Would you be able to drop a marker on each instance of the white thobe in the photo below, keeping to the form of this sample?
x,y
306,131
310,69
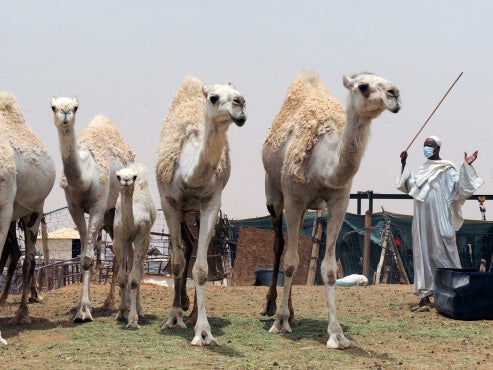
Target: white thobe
x,y
439,191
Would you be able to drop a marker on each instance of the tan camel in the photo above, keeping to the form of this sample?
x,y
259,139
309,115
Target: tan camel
x,y
90,162
192,170
310,157
34,176
134,216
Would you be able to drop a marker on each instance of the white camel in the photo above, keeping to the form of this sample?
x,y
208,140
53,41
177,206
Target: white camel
x,y
193,167
134,216
310,156
7,191
90,162
34,176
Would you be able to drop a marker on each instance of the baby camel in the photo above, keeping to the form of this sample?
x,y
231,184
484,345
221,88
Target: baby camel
x,y
134,216
192,170
310,156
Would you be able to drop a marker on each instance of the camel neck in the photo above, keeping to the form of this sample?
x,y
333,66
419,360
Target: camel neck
x,y
351,148
213,142
72,167
126,200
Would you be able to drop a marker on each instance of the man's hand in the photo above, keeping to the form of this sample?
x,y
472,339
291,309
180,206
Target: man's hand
x,y
471,158
404,158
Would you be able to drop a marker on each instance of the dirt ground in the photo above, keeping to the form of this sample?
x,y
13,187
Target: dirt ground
x,y
377,318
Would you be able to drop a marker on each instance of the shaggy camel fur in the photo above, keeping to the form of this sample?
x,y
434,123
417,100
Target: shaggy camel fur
x,y
192,170
90,162
310,157
34,176
134,216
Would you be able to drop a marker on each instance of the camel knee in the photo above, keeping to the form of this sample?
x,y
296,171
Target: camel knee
x,y
331,277
289,271
200,276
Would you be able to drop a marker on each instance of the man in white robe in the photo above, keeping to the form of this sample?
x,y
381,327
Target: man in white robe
x,y
439,191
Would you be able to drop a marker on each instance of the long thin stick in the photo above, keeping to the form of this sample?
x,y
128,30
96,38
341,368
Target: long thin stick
x,y
434,110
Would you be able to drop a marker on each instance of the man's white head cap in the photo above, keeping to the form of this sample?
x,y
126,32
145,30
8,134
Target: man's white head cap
x,y
436,140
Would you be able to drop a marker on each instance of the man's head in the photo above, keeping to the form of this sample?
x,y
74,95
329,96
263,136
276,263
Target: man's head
x,y
431,147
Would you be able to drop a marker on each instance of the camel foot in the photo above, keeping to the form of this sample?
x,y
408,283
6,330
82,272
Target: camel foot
x,y
133,325
37,299
3,342
280,326
174,323
269,309
108,305
122,315
339,341
21,318
83,314
192,320
205,338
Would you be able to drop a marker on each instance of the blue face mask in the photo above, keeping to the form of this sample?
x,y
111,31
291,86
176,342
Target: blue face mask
x,y
428,151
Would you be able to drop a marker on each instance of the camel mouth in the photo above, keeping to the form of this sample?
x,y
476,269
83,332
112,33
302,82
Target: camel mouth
x,y
395,109
239,121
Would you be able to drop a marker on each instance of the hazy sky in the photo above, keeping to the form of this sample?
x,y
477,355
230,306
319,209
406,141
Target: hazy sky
x,y
125,59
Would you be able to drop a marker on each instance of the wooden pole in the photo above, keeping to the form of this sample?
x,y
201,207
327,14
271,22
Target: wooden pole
x,y
316,235
398,261
434,110
366,244
382,254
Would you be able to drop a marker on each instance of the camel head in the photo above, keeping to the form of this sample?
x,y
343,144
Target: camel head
x,y
126,176
224,104
370,95
64,111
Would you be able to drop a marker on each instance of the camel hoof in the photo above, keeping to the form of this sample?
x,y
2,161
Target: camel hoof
x,y
339,341
269,309
280,327
204,339
35,299
174,323
122,315
132,326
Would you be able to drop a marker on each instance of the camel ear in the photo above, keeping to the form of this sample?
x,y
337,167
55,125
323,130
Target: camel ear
x,y
348,83
76,101
230,84
52,102
205,90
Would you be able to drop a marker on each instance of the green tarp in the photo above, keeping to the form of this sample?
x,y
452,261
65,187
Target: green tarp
x,y
474,241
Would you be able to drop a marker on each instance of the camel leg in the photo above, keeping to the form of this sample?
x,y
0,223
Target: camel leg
x,y
140,247
109,218
31,225
12,254
337,210
188,242
173,220
208,218
121,258
86,259
275,212
294,214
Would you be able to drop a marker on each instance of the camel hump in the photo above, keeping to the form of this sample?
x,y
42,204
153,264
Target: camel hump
x,y
8,101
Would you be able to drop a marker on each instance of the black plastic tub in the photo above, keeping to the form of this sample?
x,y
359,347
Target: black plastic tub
x,y
263,277
464,294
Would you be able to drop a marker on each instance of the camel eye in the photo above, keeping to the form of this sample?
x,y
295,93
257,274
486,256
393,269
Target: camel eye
x,y
363,88
213,98
75,109
134,178
53,108
118,177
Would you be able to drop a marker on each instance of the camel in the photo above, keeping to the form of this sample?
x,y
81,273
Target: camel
x,y
134,216
310,156
34,176
90,162
192,169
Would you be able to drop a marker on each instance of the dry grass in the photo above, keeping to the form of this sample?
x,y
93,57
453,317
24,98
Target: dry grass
x,y
377,318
